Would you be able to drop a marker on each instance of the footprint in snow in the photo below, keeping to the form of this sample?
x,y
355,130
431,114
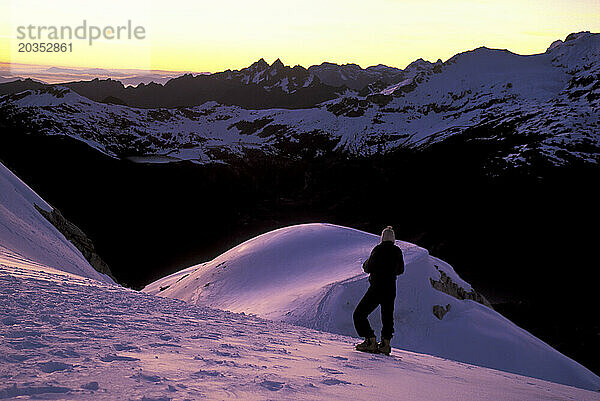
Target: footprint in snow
x,y
271,385
330,371
14,391
115,357
206,373
49,367
126,347
332,382
166,337
167,345
226,354
26,344
14,358
147,378
91,386
9,321
206,336
144,398
67,353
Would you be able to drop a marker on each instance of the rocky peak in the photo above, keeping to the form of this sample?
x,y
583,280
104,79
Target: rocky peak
x,y
277,64
259,65
576,35
378,67
554,44
572,37
276,68
418,65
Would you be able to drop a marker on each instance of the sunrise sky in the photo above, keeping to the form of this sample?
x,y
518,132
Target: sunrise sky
x,y
216,35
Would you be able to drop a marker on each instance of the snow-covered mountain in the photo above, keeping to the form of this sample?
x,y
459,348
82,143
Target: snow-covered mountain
x,y
274,76
70,333
311,275
356,78
28,238
542,107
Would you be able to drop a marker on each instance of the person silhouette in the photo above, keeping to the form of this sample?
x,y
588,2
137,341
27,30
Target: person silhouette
x,y
384,265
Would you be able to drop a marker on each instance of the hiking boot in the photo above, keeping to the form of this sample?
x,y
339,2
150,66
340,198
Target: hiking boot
x,y
384,346
369,345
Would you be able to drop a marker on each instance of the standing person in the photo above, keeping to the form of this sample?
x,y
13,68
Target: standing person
x,y
384,265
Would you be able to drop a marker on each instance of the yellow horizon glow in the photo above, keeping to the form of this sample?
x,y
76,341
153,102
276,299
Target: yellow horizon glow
x,y
231,34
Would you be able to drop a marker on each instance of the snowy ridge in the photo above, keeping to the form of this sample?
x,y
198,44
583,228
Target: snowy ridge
x,y
311,275
356,78
70,337
27,238
272,77
535,107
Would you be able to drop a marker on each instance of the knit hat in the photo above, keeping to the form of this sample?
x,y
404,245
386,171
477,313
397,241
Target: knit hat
x,y
388,234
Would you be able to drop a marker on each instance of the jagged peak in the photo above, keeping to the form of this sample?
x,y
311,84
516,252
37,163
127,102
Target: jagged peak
x,y
419,64
380,67
571,39
333,66
576,35
554,44
259,65
277,63
326,64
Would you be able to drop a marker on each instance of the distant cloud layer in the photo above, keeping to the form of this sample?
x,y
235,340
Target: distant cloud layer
x,y
49,74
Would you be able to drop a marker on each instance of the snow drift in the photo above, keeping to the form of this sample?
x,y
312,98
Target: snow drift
x,y
311,275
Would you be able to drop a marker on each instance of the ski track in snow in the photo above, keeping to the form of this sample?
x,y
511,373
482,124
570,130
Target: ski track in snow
x,y
68,337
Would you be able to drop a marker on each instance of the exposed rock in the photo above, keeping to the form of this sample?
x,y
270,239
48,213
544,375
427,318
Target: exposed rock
x,y
576,35
439,311
251,127
113,100
77,238
349,107
446,285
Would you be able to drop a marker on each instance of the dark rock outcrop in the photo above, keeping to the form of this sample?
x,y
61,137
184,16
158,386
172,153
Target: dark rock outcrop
x,y
446,285
440,311
78,238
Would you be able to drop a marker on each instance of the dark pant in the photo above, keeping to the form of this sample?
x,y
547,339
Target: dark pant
x,y
375,296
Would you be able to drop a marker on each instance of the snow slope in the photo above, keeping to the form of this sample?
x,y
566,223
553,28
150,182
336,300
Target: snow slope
x,y
26,237
311,275
68,337
66,333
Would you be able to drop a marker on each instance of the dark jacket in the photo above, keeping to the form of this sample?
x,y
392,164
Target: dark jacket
x,y
385,263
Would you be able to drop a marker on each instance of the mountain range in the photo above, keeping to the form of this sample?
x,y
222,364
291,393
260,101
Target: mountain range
x,y
536,109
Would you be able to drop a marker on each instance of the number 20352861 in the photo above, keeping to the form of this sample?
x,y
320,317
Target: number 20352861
x,y
45,47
